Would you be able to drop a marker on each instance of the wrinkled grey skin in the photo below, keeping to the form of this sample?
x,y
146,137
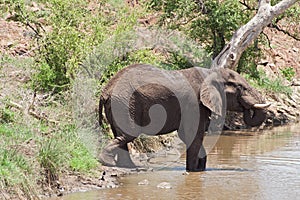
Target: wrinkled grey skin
x,y
240,97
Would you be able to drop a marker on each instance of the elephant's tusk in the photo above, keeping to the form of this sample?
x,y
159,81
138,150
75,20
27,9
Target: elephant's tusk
x,y
261,106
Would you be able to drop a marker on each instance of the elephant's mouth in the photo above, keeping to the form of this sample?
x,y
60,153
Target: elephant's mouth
x,y
256,115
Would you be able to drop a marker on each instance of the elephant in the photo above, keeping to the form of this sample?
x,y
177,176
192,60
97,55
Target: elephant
x,y
142,98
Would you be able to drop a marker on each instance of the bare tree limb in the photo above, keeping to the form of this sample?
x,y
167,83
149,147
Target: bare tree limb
x,y
282,6
246,5
31,112
245,35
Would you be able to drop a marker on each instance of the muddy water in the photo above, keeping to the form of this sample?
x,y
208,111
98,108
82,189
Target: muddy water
x,y
263,165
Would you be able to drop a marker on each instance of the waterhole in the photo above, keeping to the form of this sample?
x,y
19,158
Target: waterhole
x,y
242,165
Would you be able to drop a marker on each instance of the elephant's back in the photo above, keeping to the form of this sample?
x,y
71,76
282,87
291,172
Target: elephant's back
x,y
125,74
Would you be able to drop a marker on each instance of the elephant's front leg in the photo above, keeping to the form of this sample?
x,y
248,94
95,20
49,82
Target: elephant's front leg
x,y
196,156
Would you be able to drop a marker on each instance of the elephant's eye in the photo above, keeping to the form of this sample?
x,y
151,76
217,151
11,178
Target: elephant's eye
x,y
241,88
230,84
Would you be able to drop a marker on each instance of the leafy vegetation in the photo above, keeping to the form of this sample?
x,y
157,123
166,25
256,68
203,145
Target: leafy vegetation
x,y
24,153
288,73
273,85
15,171
213,23
210,22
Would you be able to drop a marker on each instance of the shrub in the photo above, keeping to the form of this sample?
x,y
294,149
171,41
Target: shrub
x,y
274,85
212,22
6,115
76,30
288,73
52,157
82,160
13,168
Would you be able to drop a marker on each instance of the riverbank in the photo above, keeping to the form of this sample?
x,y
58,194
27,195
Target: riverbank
x,y
247,163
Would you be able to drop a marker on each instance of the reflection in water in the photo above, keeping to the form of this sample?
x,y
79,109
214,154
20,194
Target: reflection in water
x,y
263,166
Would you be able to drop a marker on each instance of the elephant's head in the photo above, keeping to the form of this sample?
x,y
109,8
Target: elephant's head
x,y
240,97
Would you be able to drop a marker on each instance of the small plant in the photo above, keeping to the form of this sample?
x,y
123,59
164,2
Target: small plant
x,y
6,130
288,72
271,85
14,172
176,61
81,159
6,115
52,156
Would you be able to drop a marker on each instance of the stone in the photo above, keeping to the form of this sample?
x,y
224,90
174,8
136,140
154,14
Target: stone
x,y
164,185
185,173
143,182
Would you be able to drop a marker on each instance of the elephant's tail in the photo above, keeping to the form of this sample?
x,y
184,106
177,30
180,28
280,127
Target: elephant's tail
x,y
101,104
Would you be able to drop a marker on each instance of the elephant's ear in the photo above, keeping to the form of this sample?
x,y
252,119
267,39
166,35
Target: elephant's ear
x,y
212,94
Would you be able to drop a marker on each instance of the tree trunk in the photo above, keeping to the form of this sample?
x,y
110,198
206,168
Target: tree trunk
x,y
244,36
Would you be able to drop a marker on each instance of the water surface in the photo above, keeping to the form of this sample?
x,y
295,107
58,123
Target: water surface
x,y
262,165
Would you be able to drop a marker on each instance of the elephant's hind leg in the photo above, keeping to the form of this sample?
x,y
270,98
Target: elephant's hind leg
x,y
108,154
116,154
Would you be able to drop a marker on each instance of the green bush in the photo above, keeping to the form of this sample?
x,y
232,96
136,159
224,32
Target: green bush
x,y
76,31
13,168
62,48
6,115
274,85
288,72
81,159
52,156
211,22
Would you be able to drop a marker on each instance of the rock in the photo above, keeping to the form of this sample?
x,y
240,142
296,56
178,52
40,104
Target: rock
x,y
164,185
185,173
295,83
110,184
143,182
295,49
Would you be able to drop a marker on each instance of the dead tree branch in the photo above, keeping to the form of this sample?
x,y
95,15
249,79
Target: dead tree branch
x,y
31,112
244,36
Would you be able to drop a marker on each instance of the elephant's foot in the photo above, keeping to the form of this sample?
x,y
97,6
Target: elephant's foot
x,y
126,164
199,166
196,169
124,159
107,159
202,164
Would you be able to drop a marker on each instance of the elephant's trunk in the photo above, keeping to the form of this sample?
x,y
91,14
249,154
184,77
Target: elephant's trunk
x,y
258,117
